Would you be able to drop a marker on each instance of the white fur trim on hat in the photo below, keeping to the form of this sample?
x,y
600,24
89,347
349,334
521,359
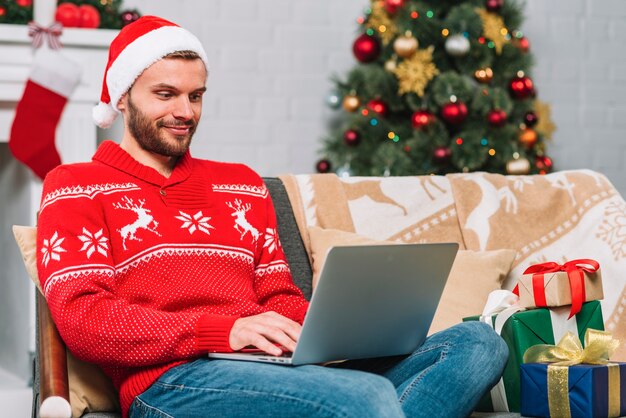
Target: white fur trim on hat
x,y
103,115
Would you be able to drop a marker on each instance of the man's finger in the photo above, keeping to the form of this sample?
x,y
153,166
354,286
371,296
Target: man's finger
x,y
264,344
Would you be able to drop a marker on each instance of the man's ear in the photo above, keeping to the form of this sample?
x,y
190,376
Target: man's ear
x,y
121,104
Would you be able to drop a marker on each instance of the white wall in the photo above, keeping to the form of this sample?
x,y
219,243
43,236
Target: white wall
x,y
272,61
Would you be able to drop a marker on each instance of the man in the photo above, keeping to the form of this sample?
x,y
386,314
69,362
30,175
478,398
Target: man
x,y
150,259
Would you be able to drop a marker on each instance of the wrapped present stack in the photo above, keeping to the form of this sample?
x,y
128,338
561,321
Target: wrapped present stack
x,y
550,301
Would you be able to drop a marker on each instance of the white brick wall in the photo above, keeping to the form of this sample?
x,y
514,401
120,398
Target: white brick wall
x,y
271,63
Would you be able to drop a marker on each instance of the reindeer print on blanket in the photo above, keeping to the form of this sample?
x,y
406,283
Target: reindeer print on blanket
x,y
143,221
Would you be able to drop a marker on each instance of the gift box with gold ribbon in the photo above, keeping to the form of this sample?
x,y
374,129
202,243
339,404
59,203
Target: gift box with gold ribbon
x,y
551,284
524,329
567,381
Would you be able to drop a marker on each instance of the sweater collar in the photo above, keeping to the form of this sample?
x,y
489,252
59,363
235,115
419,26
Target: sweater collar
x,y
112,154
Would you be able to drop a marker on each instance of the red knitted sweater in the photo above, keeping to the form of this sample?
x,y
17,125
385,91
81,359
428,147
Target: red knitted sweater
x,y
143,273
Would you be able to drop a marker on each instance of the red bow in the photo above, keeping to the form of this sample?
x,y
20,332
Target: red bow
x,y
574,269
51,33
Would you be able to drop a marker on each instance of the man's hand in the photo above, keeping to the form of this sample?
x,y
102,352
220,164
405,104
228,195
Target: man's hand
x,y
264,331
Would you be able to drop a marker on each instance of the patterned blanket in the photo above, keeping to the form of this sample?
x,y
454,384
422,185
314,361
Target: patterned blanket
x,y
556,217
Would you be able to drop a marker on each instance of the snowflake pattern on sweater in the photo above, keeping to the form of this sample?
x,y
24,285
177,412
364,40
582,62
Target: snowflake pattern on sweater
x,y
143,272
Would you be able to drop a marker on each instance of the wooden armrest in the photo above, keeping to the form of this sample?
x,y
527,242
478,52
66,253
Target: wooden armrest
x,y
53,383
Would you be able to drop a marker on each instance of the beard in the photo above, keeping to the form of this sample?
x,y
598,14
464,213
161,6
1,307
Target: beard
x,y
150,138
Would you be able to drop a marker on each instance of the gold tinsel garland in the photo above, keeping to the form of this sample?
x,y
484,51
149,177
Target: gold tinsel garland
x,y
493,28
544,126
379,19
414,73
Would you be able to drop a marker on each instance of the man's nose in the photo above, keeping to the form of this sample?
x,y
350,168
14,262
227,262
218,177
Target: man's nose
x,y
183,109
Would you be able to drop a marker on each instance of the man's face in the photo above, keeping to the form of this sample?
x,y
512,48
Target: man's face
x,y
164,105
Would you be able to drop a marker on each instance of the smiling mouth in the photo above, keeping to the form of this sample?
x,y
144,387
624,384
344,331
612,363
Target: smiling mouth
x,y
178,130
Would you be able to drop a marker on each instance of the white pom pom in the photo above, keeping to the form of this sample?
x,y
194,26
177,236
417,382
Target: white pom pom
x,y
55,407
103,115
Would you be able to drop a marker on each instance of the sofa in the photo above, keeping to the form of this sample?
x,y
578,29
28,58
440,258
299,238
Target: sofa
x,y
303,213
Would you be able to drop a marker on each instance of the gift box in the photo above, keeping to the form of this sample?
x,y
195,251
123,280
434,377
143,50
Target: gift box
x,y
528,328
552,285
592,391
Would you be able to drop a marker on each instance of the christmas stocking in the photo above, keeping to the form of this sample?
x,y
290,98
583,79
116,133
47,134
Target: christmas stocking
x,y
52,80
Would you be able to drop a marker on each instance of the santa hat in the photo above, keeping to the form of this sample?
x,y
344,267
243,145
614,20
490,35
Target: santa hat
x,y
135,48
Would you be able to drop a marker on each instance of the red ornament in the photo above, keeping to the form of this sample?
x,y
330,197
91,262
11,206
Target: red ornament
x,y
494,5
454,113
543,163
521,87
68,15
530,119
366,48
89,16
351,137
522,43
392,6
129,16
24,3
3,11
442,154
422,118
496,117
323,166
378,106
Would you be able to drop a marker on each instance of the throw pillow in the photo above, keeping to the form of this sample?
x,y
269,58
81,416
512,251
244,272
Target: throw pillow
x,y
90,389
473,276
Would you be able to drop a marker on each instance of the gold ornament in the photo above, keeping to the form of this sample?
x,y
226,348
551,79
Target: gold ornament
x,y
484,75
380,21
518,166
351,103
405,45
528,137
493,28
414,73
391,65
544,126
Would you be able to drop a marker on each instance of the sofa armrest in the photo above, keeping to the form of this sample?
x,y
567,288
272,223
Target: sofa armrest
x,y
53,381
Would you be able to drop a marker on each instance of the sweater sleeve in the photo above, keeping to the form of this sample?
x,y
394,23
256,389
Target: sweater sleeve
x,y
78,277
273,281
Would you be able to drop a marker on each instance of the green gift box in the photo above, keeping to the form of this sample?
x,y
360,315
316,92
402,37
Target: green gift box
x,y
527,328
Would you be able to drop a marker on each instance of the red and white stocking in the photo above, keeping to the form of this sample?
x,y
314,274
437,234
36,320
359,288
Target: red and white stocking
x,y
52,80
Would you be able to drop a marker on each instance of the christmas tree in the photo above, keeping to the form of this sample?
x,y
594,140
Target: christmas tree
x,y
441,86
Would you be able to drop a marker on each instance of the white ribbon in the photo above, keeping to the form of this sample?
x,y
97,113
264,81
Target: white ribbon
x,y
560,324
504,304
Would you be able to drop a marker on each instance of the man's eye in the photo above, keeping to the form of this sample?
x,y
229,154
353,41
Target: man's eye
x,y
164,94
195,97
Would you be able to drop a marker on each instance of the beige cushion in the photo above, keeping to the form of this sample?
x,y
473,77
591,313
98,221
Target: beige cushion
x,y
90,389
473,276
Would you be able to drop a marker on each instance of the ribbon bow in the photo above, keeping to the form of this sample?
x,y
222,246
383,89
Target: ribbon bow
x,y
51,33
574,270
599,346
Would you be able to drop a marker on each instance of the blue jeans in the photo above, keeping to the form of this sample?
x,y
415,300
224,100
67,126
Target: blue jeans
x,y
445,377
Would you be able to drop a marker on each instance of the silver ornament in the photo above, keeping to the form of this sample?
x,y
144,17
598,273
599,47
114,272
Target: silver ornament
x,y
457,45
333,100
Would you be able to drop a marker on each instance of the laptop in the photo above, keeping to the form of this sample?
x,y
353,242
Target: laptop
x,y
370,301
